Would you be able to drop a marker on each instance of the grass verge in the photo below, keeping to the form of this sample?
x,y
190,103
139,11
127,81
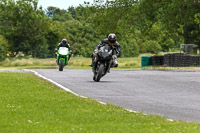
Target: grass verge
x,y
30,104
75,62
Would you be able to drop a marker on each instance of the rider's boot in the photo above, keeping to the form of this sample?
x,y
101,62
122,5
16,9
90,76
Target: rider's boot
x,y
93,60
92,64
115,63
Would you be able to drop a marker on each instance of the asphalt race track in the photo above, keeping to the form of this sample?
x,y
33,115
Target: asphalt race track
x,y
174,95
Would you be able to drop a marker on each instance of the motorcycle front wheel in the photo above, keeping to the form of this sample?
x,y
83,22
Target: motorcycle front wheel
x,y
61,65
99,72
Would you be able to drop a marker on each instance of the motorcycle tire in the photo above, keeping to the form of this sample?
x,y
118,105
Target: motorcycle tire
x,y
99,73
61,65
94,77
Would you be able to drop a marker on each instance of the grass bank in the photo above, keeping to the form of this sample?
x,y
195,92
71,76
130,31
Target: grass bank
x,y
30,104
75,62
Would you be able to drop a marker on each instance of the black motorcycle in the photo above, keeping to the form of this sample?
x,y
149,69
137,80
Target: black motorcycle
x,y
103,62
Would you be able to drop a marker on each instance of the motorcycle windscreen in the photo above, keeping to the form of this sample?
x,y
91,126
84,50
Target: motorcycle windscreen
x,y
63,51
106,56
105,53
106,48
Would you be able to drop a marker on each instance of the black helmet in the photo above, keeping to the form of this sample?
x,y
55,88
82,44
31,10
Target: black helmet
x,y
64,41
112,38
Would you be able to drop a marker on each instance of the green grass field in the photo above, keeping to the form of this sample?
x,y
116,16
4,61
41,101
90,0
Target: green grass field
x,y
75,62
30,104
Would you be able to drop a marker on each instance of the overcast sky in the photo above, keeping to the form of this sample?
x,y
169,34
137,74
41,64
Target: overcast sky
x,y
62,4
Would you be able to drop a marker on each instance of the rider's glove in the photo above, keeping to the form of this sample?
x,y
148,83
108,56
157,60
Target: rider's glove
x,y
114,57
95,52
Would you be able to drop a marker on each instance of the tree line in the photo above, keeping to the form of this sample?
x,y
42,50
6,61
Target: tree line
x,y
140,25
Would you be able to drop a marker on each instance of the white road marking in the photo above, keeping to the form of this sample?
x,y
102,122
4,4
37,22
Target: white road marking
x,y
170,120
68,90
55,83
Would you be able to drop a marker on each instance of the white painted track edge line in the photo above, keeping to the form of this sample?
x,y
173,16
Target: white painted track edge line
x,y
55,83
68,90
59,85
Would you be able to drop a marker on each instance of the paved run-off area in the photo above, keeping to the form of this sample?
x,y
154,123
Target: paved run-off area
x,y
175,95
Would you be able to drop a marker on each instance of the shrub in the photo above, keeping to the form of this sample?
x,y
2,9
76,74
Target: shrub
x,y
3,48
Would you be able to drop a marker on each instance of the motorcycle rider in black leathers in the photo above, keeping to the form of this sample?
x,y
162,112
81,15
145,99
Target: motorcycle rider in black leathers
x,y
64,43
115,46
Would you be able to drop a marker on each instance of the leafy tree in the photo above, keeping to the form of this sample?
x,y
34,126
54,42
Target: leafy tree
x,y
3,48
56,33
175,15
141,25
24,26
57,14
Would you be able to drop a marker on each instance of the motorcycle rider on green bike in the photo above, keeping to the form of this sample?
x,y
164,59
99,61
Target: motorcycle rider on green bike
x,y
64,43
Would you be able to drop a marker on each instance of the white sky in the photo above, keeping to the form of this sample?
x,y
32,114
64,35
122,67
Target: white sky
x,y
62,4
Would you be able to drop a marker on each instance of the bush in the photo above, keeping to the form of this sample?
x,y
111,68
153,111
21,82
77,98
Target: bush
x,y
3,48
129,48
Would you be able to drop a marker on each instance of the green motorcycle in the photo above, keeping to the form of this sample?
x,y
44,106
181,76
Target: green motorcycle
x,y
62,57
